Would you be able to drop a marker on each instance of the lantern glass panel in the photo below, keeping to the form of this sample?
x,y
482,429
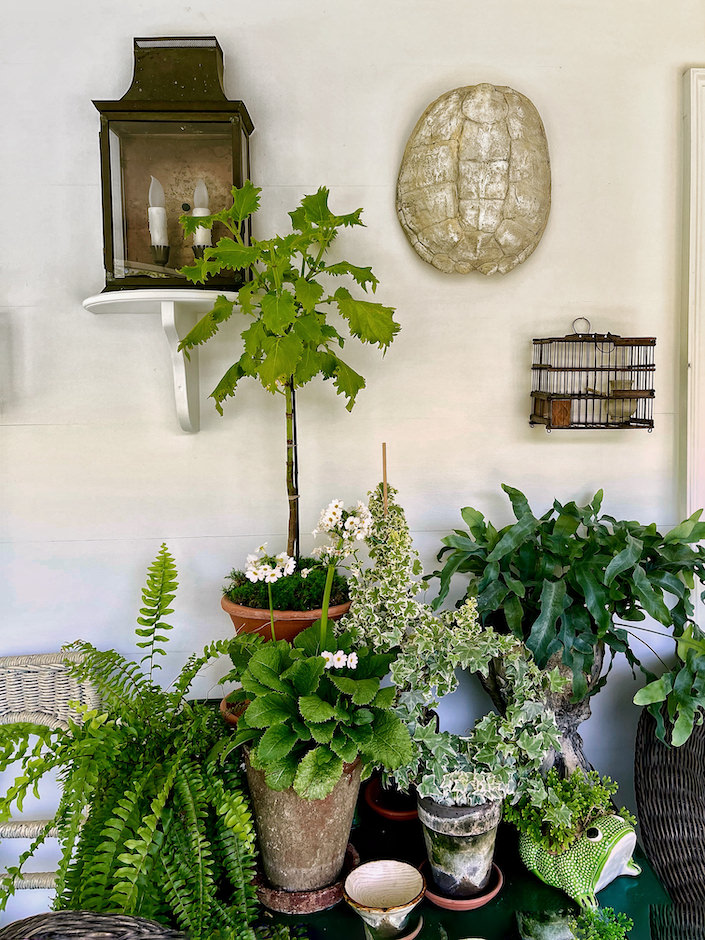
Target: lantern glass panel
x,y
178,154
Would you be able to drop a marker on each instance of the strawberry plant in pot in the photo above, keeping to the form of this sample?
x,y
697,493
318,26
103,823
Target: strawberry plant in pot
x,y
289,337
573,584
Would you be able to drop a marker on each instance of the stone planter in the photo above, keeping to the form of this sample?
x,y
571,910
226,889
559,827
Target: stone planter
x,y
303,842
460,844
287,623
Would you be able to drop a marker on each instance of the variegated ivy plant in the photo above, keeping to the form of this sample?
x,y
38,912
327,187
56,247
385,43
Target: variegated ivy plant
x,y
495,760
287,339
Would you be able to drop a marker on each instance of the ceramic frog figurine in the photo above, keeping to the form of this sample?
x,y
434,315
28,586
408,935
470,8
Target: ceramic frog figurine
x,y
597,857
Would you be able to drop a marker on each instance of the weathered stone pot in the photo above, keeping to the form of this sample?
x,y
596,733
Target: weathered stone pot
x,y
460,844
287,623
302,842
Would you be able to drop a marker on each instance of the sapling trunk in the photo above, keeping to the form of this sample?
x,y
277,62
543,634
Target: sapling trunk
x,y
326,602
292,542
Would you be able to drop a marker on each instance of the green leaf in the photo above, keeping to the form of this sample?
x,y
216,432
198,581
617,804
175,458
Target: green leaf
x,y
276,743
691,530
236,255
245,203
267,664
655,691
318,773
209,324
369,322
311,363
474,520
623,560
385,697
344,747
308,293
305,674
362,691
280,775
281,357
651,601
322,733
389,744
520,504
308,328
278,311
270,709
201,270
314,709
227,386
362,276
347,382
513,537
542,640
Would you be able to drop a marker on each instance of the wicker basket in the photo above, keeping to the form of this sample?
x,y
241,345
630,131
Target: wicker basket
x,y
670,796
62,925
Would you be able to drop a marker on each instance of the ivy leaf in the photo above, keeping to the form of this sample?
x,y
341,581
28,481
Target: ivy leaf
x,y
276,743
278,311
281,357
369,322
318,773
314,709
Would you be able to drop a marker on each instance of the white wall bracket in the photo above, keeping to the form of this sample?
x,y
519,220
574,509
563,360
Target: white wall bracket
x,y
179,309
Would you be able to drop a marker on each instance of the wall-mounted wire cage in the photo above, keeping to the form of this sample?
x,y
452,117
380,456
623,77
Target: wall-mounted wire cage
x,y
593,380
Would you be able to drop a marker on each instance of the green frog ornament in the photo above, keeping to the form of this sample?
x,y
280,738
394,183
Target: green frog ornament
x,y
602,853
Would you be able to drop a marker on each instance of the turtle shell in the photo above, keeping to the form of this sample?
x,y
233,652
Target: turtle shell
x,y
474,187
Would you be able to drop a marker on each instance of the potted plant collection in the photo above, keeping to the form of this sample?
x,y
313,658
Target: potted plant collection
x,y
572,584
151,820
287,337
314,719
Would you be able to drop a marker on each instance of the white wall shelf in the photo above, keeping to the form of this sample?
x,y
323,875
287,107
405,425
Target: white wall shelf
x,y
179,310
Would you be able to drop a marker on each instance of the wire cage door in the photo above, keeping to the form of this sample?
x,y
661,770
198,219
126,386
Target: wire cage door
x,y
593,380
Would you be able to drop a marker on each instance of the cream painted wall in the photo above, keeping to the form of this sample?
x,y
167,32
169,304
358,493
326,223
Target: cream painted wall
x,y
95,472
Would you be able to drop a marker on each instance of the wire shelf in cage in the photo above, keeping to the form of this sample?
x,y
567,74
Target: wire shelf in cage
x,y
593,380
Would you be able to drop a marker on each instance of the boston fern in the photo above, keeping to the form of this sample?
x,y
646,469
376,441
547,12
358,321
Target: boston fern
x,y
151,822
312,707
572,579
287,339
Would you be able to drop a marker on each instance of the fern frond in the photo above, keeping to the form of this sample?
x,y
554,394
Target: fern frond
x,y
158,593
195,663
118,681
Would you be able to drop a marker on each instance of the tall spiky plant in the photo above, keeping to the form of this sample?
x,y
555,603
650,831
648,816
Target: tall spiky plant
x,y
151,822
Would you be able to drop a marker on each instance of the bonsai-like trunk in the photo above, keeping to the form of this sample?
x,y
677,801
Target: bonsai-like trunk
x,y
292,472
569,715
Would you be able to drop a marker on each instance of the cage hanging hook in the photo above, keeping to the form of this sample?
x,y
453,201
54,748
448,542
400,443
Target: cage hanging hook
x,y
582,332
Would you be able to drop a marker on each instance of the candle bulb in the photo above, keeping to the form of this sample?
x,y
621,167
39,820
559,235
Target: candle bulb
x,y
156,214
202,235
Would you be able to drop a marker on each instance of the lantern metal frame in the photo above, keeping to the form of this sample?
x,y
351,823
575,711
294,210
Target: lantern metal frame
x,y
593,381
177,81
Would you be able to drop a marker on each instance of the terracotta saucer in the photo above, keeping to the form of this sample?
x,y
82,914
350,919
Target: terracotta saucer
x,y
305,902
465,904
415,932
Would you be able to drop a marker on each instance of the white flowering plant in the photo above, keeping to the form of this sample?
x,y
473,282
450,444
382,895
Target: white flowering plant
x,y
312,705
269,568
496,758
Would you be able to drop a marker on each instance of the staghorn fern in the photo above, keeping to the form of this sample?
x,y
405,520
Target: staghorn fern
x,y
151,822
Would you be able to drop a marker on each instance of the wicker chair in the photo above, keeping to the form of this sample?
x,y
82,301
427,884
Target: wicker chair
x,y
669,783
38,688
65,925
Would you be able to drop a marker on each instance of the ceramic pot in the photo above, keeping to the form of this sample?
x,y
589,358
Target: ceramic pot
x,y
303,842
384,893
287,623
460,843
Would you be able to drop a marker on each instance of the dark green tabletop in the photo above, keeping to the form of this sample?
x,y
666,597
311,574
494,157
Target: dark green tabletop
x,y
522,891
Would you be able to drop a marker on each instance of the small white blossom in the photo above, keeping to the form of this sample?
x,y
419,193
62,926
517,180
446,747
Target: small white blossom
x,y
328,656
352,661
305,572
340,659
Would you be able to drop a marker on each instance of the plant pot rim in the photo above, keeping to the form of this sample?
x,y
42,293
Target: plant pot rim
x,y
374,797
354,903
255,612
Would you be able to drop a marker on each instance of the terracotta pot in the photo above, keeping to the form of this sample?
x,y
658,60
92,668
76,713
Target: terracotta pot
x,y
287,623
460,844
389,803
302,842
231,713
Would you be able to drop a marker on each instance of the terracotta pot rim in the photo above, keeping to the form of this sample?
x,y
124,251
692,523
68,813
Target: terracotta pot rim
x,y
373,791
255,613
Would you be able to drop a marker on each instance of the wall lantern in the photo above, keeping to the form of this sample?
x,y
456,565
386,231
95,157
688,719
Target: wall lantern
x,y
593,380
173,144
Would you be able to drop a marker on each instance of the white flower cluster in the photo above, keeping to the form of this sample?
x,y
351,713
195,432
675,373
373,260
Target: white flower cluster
x,y
339,660
345,527
269,568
